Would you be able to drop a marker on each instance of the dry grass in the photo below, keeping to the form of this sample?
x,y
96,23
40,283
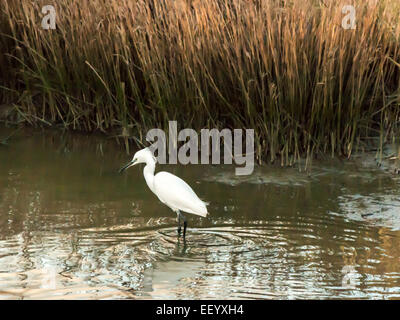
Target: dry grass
x,y
285,68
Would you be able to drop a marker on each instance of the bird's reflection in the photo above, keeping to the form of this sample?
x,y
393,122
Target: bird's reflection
x,y
180,247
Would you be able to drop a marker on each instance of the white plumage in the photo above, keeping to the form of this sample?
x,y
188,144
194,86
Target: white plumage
x,y
170,189
177,194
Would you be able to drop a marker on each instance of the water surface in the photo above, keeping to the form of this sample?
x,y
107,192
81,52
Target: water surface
x,y
71,227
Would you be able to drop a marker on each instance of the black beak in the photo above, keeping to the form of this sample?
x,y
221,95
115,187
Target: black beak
x,y
129,164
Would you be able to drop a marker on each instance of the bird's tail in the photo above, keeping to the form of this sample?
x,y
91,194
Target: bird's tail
x,y
204,211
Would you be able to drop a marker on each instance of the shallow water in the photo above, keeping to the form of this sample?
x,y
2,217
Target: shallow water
x,y
72,228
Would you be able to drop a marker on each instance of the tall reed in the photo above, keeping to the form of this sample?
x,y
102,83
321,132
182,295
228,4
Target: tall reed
x,y
287,69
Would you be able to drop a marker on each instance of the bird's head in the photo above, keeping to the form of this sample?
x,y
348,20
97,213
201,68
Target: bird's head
x,y
142,156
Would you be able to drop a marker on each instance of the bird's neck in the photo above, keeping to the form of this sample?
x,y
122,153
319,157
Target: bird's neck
x,y
148,173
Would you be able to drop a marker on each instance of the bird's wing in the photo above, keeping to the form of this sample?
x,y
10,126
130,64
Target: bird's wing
x,y
177,194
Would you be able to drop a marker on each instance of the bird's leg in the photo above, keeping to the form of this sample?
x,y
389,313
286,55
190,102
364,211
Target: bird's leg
x,y
179,223
184,226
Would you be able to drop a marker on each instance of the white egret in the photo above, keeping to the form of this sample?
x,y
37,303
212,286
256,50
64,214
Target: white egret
x,y
170,189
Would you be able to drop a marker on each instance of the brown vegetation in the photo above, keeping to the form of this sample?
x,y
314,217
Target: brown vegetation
x,y
285,68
